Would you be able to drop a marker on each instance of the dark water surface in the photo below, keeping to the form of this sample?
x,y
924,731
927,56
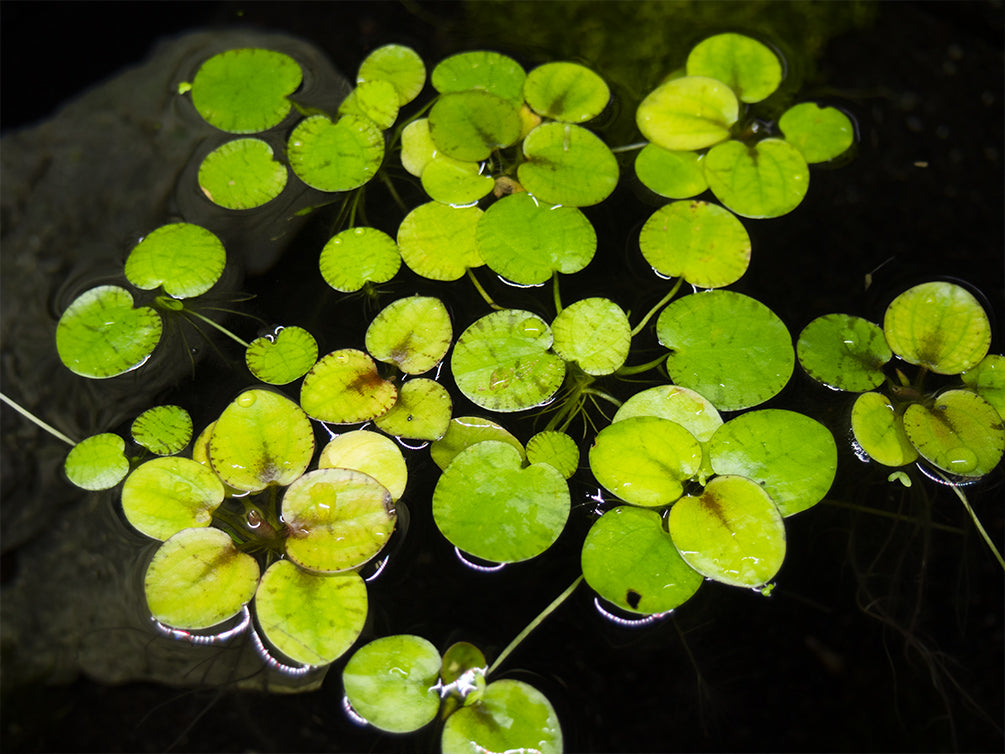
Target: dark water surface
x,y
881,635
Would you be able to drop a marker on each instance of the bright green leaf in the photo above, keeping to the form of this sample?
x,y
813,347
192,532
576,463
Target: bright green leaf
x,y
371,453
242,174
455,182
417,147
594,333
422,411
768,179
465,431
412,333
183,258
692,112
567,165
555,449
437,241
677,404
567,92
749,67
283,356
471,125
400,66
675,175
480,69
511,716
344,387
165,495
987,379
98,462
819,133
357,256
879,430
375,100
961,433
163,430
336,156
843,352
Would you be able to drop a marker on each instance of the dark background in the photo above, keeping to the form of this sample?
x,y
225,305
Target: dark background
x,y
883,634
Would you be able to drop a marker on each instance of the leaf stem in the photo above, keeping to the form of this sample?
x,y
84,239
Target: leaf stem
x,y
630,147
601,394
219,327
662,302
478,286
555,293
626,371
533,624
977,521
35,420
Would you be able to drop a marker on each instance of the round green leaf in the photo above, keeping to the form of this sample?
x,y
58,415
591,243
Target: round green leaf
x,y
748,67
487,505
630,561
357,256
344,387
335,156
312,619
502,362
165,495
568,165
183,258
511,716
417,147
465,431
939,326
412,333
422,411
97,463
374,100
644,460
728,347
791,456
282,356
480,69
370,453
692,112
391,683
198,579
242,174
455,181
594,333
677,404
461,657
987,379
961,433
400,66
702,242
555,449
470,125
163,430
768,179
566,92
526,241
843,352
819,133
245,91
101,335
879,430
437,241
731,533
675,175
337,519
262,438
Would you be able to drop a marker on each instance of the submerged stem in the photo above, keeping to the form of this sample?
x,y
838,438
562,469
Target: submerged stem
x,y
662,302
630,147
977,521
626,371
219,327
478,286
534,624
555,293
35,420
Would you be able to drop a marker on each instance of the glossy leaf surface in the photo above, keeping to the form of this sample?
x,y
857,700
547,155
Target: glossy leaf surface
x,y
336,156
357,256
422,411
98,462
987,379
480,69
677,404
437,241
511,716
674,175
594,333
344,387
465,431
768,179
470,125
242,174
879,430
412,333
163,430
372,454
844,352
185,259
692,112
961,433
567,165
820,133
566,92
747,66
400,66
556,449
282,357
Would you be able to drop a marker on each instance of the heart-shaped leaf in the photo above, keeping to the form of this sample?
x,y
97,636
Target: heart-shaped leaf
x,y
242,174
768,179
185,259
692,112
357,256
567,165
961,433
285,355
511,716
336,156
437,241
345,388
412,333
594,333
750,68
98,462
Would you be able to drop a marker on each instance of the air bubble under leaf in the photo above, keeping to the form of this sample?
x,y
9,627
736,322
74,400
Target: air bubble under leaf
x,y
747,66
594,333
472,124
245,91
568,165
337,519
283,357
731,533
480,69
371,453
843,352
198,579
465,431
938,325
165,495
185,259
502,362
163,430
961,433
645,460
793,457
412,333
344,387
692,112
391,682
526,241
630,561
242,174
702,242
820,133
879,430
488,506
511,716
336,156
422,411
310,618
728,347
400,66
97,463
262,438
437,241
357,256
566,92
674,175
102,335
768,179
